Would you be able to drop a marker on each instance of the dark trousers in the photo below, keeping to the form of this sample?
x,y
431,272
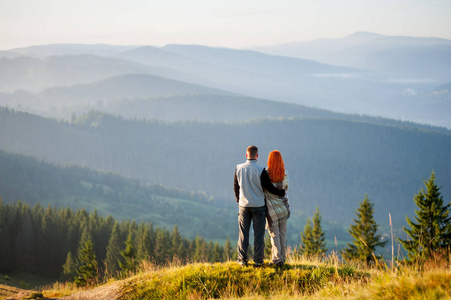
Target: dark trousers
x,y
256,215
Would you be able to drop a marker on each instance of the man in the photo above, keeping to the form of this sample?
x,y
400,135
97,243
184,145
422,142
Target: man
x,y
250,180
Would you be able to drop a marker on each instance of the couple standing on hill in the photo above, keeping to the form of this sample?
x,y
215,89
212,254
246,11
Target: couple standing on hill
x,y
262,200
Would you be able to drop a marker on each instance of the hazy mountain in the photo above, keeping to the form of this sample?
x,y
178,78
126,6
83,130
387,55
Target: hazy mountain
x,y
32,74
43,51
203,105
250,71
153,56
418,103
423,59
245,72
279,78
252,61
442,91
200,106
36,74
258,75
332,163
301,81
9,54
157,57
128,86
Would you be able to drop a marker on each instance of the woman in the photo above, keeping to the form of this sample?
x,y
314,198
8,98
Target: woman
x,y
278,208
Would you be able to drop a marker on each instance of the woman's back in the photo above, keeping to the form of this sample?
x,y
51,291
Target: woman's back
x,y
277,206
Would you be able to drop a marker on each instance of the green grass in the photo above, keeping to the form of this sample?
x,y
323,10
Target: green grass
x,y
230,280
300,278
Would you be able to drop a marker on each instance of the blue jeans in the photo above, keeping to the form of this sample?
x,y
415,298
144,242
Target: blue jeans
x,y
256,215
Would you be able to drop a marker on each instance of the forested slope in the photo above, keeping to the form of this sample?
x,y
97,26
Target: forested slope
x,y
36,182
149,97
332,163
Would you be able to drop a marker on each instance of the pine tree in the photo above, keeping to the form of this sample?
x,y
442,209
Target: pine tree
x,y
307,244
162,245
113,252
183,250
176,241
228,250
319,242
218,253
142,249
69,268
209,251
26,243
432,231
364,233
200,250
87,270
129,262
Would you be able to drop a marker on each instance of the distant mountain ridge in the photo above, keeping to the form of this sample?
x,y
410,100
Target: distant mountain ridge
x,y
364,73
35,75
397,55
62,102
128,86
42,51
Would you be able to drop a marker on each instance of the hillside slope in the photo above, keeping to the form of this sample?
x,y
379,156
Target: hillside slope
x,y
332,163
148,97
32,181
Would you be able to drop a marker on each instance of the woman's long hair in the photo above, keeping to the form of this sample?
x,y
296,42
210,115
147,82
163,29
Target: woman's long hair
x,y
276,167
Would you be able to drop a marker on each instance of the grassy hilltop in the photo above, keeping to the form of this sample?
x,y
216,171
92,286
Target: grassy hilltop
x,y
299,279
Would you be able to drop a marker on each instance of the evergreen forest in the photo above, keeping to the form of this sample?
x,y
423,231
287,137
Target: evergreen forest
x,y
38,240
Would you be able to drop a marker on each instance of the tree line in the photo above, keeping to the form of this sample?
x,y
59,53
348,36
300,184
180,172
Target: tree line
x,y
57,241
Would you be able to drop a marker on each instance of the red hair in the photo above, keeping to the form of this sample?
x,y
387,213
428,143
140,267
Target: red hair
x,y
276,167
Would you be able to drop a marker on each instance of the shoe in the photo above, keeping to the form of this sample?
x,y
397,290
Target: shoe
x,y
280,264
257,265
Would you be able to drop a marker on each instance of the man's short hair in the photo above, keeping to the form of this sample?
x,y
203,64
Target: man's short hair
x,y
252,151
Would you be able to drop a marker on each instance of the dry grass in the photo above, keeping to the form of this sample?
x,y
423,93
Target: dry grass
x,y
58,290
301,278
6,291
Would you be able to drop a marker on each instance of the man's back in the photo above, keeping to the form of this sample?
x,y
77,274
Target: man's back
x,y
249,180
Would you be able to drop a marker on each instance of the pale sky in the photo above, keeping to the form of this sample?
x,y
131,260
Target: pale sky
x,y
225,23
